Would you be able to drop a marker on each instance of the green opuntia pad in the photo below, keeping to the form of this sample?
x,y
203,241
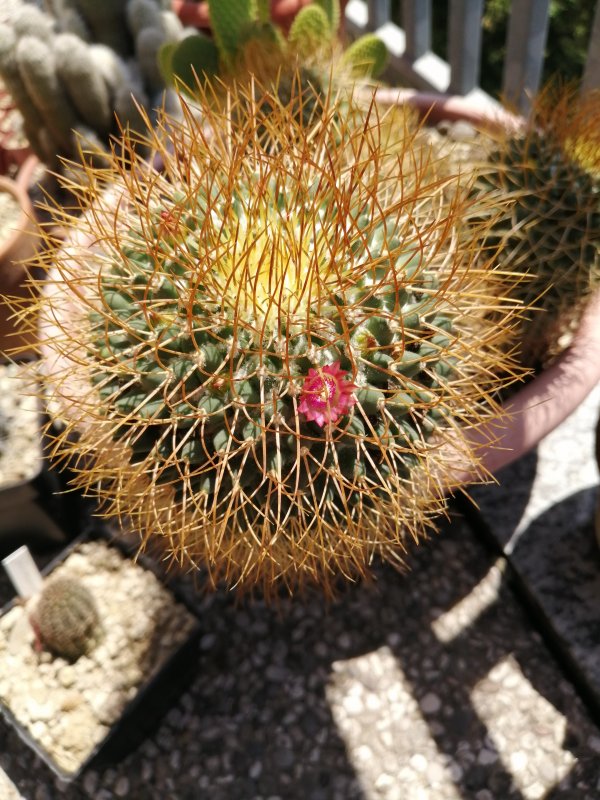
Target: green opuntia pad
x,y
228,21
333,11
311,31
194,59
263,351
367,57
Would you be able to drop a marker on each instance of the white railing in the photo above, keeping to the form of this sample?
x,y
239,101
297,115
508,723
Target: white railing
x,y
413,61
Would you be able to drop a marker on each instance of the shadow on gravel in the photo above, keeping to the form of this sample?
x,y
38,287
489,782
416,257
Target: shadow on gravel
x,y
556,569
555,572
258,721
506,501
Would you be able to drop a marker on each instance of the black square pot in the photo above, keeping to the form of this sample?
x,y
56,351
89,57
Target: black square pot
x,y
155,693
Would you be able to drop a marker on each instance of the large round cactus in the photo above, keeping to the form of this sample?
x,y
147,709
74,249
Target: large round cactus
x,y
261,353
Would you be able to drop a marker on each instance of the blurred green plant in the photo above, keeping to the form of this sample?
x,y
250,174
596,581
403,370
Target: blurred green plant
x,y
245,41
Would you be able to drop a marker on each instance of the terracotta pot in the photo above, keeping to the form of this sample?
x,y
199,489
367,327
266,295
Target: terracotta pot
x,y
27,170
20,244
195,14
435,108
543,403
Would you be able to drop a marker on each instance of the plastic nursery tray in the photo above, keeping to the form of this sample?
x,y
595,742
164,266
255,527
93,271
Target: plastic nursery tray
x,y
20,414
34,510
142,715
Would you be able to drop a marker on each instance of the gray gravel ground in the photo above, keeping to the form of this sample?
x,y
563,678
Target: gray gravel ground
x,y
433,685
425,686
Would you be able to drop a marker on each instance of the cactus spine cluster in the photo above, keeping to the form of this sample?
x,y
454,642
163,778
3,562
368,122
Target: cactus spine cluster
x,y
265,350
547,177
245,40
66,618
72,69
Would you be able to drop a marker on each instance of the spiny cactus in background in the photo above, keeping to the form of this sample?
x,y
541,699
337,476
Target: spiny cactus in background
x,y
246,41
71,71
66,619
548,179
262,353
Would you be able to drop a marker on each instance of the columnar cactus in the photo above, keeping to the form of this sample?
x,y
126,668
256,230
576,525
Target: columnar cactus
x,y
547,177
262,352
71,71
66,619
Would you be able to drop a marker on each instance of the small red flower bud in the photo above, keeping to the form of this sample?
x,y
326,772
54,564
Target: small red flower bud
x,y
326,395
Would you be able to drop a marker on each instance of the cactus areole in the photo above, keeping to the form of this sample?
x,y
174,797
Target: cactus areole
x,y
256,346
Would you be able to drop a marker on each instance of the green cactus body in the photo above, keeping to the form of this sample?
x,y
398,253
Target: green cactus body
x,y
76,67
71,21
147,46
261,46
32,119
194,59
110,66
274,344
300,94
263,11
235,377
90,144
86,88
143,14
310,32
66,618
170,26
129,98
30,21
366,57
550,233
332,9
228,20
37,67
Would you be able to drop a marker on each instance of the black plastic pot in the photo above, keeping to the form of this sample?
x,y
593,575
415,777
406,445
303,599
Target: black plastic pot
x,y
153,699
37,511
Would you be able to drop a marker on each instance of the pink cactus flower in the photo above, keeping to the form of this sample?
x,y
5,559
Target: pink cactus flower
x,y
326,395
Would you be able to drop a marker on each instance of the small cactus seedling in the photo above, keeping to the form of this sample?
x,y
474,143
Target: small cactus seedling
x,y
263,351
550,233
66,619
